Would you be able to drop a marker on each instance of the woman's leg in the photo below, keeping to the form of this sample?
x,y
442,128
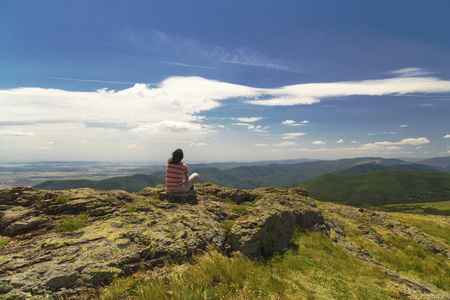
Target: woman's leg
x,y
190,182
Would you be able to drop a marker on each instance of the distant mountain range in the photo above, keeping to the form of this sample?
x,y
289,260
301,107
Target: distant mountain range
x,y
130,184
440,162
280,175
254,176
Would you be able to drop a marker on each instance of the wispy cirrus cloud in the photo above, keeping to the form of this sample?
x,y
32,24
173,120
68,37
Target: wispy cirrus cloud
x,y
411,72
188,48
92,80
188,65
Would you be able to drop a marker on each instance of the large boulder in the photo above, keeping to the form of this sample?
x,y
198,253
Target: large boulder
x,y
275,215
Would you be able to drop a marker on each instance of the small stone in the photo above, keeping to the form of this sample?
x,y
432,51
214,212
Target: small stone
x,y
22,226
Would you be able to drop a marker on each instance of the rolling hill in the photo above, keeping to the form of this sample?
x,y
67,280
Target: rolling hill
x,y
283,175
380,188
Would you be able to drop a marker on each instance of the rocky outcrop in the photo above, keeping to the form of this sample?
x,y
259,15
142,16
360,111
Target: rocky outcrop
x,y
125,232
63,243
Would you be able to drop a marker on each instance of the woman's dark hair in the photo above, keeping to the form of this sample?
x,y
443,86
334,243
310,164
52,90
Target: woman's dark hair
x,y
177,156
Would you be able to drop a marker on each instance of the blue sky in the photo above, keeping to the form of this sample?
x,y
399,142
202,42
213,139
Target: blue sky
x,y
224,80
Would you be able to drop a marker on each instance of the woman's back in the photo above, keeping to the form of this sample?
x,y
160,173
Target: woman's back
x,y
174,175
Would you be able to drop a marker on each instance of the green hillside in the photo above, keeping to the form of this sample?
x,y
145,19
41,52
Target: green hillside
x,y
380,188
371,167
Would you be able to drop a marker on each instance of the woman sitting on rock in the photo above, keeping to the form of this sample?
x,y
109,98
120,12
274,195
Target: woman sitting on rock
x,y
174,175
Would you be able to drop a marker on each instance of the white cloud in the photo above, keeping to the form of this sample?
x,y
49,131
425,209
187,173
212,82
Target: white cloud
x,y
172,126
341,141
310,93
403,126
413,141
285,144
256,128
292,135
409,141
285,101
198,144
182,99
142,115
172,106
261,145
293,123
447,136
248,120
15,133
389,146
378,147
392,149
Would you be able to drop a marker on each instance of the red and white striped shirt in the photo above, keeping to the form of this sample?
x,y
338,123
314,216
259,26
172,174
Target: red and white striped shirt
x,y
174,175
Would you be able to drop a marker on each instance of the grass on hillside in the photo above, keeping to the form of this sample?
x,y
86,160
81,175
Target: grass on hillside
x,y
72,223
110,199
312,269
436,208
435,227
62,199
3,241
406,256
